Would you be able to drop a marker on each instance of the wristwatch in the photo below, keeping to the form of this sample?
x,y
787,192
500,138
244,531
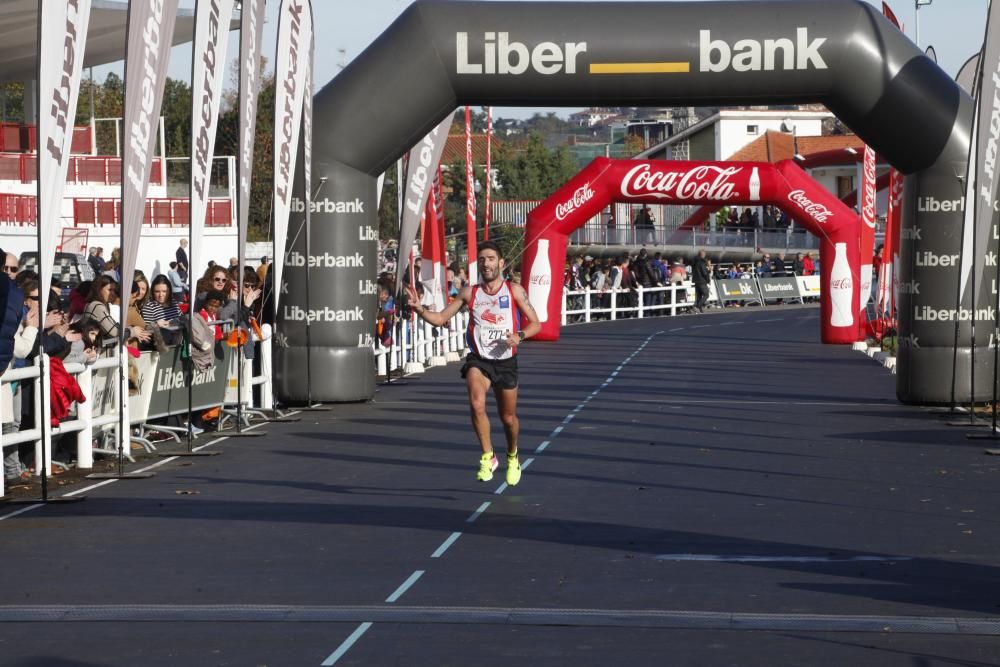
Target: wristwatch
x,y
521,335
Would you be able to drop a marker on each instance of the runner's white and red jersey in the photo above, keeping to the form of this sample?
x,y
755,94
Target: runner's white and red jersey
x,y
494,317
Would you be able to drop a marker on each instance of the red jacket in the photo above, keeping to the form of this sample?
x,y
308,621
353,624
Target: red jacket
x,y
63,390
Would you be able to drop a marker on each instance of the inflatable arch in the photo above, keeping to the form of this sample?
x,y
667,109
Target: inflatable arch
x,y
784,184
442,54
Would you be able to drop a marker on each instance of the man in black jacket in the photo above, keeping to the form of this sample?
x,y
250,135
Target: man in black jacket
x,y
701,273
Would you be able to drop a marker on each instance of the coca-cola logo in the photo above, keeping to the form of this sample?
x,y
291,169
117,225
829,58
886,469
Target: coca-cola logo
x,y
582,195
868,198
540,280
707,182
818,212
896,189
841,283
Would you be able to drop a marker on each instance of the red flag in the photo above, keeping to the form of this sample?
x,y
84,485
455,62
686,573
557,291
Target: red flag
x,y
889,15
470,200
433,269
489,166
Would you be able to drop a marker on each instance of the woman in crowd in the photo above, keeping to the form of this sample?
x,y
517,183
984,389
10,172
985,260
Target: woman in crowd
x,y
215,278
160,311
98,308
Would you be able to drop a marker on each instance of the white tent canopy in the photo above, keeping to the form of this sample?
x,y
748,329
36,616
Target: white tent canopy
x,y
105,42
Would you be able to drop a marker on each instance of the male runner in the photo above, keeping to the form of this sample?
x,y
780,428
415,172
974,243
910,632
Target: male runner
x,y
498,309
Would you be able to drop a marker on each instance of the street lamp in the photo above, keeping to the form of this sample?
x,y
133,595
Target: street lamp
x,y
917,4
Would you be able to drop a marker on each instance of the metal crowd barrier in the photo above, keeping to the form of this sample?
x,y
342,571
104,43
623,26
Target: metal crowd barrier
x,y
581,306
98,382
417,344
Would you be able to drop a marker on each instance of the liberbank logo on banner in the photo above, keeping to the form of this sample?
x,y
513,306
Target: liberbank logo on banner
x,y
505,56
327,206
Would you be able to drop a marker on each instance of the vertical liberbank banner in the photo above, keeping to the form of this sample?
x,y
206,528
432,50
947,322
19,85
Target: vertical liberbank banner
x,y
150,27
211,40
251,29
294,38
62,36
983,163
420,169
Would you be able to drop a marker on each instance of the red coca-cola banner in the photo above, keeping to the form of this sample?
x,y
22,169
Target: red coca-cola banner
x,y
867,190
785,185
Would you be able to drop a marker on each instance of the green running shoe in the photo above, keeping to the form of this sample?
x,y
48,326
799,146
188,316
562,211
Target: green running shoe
x,y
487,464
513,470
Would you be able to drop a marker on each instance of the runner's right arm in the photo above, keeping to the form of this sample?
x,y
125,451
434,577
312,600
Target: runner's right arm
x,y
439,318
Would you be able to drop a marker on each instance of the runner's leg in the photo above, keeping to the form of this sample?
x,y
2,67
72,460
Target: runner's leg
x,y
507,407
477,384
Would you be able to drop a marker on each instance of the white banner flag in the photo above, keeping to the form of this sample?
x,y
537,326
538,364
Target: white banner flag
x,y
251,29
150,27
64,25
420,169
211,40
294,38
307,137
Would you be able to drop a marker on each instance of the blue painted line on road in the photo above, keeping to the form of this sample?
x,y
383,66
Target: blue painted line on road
x,y
447,543
541,447
346,646
478,512
398,593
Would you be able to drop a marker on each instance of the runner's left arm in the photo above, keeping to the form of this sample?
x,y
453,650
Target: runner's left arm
x,y
533,326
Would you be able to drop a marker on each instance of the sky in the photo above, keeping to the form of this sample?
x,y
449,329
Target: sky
x,y
953,27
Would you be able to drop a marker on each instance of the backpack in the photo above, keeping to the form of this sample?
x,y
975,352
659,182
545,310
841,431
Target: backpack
x,y
11,310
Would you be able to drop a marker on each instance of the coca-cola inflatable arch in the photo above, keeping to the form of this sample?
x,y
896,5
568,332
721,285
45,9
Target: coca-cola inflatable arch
x,y
442,54
675,182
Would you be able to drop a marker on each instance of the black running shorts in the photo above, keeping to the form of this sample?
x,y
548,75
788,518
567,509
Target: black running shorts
x,y
502,373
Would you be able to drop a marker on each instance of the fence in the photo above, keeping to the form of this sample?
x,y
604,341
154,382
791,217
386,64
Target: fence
x,y
613,226
82,170
159,387
417,343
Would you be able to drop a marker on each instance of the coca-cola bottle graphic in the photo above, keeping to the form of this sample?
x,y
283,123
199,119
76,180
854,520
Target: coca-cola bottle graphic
x,y
754,185
841,313
540,281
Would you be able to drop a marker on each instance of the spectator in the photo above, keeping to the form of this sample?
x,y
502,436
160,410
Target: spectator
x,y
96,260
204,334
778,269
182,259
160,312
135,326
764,266
385,318
98,306
11,347
646,276
701,270
262,269
799,266
808,266
644,225
78,299
64,390
178,285
234,263
10,265
240,310
83,343
215,278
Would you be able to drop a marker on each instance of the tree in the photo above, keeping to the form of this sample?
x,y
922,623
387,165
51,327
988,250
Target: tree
x,y
227,143
530,171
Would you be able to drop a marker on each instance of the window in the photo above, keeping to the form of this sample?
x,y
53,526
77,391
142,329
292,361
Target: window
x,y
752,129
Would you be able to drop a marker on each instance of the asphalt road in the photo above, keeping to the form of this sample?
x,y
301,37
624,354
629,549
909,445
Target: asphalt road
x,y
702,490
